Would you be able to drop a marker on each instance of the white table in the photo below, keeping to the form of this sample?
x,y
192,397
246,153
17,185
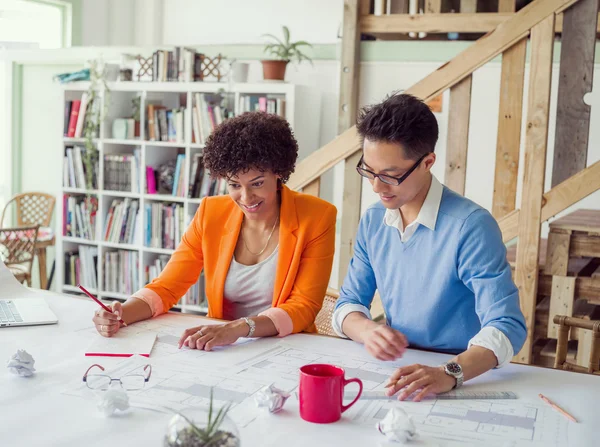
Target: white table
x,y
35,412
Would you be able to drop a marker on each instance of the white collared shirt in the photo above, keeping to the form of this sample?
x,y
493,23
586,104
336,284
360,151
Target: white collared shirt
x,y
488,337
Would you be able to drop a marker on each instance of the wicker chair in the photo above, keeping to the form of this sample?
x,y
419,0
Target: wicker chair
x,y
17,250
32,208
565,325
323,320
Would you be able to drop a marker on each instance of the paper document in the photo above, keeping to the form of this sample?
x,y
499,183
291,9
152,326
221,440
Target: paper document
x,y
124,343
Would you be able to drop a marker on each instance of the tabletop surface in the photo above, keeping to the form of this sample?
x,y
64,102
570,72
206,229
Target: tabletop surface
x,y
37,410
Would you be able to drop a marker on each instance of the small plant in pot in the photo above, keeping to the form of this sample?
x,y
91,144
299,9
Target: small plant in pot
x,y
200,428
283,52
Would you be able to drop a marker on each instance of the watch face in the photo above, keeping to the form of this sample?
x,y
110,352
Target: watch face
x,y
454,368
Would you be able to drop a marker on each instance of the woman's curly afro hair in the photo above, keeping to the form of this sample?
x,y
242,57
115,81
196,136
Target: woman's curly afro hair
x,y
253,140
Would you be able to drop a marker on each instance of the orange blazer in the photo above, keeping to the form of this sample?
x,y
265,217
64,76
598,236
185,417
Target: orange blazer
x,y
306,248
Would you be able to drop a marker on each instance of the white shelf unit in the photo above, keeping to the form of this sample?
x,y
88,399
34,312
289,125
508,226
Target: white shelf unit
x,y
298,99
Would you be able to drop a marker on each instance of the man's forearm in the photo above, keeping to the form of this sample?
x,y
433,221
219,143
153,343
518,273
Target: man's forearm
x,y
475,361
356,324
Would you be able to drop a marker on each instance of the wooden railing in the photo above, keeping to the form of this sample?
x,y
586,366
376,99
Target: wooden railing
x,y
571,181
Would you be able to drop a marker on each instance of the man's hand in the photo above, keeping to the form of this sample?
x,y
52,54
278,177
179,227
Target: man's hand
x,y
427,379
384,343
207,337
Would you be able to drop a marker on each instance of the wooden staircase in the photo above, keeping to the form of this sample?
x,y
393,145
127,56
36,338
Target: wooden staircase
x,y
572,180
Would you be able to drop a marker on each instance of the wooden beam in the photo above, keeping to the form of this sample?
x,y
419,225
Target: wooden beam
x,y
433,6
481,22
433,23
562,300
536,137
482,51
557,260
507,5
575,80
458,135
557,199
508,140
313,188
586,287
486,48
350,212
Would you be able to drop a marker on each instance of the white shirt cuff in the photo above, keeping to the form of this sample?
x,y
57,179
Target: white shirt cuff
x,y
341,313
496,341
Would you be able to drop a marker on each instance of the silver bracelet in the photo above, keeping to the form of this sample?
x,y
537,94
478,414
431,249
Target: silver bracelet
x,y
251,324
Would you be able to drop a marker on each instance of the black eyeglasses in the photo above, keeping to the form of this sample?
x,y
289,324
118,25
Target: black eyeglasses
x,y
387,179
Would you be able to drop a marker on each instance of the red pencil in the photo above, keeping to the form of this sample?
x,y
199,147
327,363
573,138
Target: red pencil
x,y
99,302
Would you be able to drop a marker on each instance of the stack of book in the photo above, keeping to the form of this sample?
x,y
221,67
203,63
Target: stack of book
x,y
263,103
81,267
153,270
74,171
201,184
195,295
74,115
79,216
164,124
206,115
165,225
122,172
122,222
121,271
180,65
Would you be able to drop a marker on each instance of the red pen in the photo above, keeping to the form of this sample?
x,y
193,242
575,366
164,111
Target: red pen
x,y
99,302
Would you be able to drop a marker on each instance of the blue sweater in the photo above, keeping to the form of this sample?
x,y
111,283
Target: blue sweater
x,y
440,287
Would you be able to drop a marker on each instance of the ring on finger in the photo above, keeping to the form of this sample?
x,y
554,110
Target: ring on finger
x,y
200,333
102,328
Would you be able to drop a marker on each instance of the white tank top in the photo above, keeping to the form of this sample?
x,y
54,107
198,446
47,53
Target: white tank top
x,y
249,288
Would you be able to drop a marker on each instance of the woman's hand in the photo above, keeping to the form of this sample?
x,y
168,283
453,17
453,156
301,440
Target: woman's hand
x,y
208,337
428,379
383,342
107,323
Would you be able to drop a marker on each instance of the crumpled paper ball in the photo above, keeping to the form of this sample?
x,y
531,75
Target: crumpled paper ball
x,y
21,363
112,400
271,397
397,426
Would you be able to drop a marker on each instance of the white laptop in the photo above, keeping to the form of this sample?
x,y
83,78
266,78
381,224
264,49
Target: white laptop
x,y
25,312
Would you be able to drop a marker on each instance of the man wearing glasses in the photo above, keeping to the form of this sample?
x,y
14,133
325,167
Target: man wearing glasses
x,y
436,258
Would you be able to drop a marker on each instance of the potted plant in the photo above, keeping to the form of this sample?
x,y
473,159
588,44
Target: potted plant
x,y
94,114
201,429
283,51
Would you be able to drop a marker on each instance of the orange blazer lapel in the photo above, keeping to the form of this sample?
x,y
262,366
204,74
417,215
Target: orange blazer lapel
x,y
227,244
287,240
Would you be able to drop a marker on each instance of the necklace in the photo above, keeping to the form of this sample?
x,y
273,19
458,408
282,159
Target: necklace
x,y
268,240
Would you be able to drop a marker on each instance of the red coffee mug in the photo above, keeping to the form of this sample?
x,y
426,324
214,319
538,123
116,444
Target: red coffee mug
x,y
322,391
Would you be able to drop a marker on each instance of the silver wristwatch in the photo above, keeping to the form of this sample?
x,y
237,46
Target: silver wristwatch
x,y
252,325
453,369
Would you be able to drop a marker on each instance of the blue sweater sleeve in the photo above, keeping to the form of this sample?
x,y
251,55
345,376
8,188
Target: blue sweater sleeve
x,y
483,268
359,285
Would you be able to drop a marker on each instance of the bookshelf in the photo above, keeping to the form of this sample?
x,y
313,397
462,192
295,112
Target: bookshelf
x,y
137,249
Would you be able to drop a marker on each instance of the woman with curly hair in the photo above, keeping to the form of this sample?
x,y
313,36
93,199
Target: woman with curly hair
x,y
266,251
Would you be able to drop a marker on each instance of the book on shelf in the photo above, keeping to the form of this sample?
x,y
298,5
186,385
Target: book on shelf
x,y
181,65
201,184
194,296
121,224
164,124
207,114
122,172
165,225
150,180
81,267
274,104
74,170
75,112
79,216
121,271
178,180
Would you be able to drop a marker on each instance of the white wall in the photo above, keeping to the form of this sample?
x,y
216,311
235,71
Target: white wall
x,y
193,22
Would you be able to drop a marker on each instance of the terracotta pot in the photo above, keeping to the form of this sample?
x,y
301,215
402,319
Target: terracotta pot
x,y
274,70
